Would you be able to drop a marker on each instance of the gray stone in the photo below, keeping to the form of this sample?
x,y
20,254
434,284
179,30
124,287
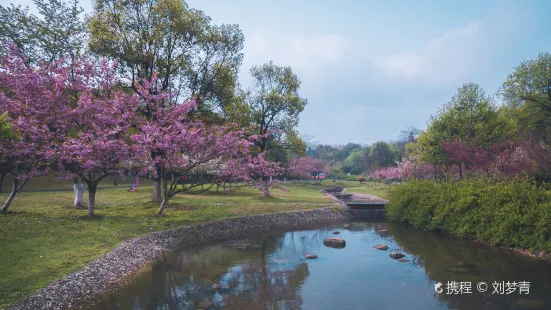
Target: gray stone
x,y
334,242
396,255
383,247
310,256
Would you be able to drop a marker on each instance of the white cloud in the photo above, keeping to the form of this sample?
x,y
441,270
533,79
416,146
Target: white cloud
x,y
449,57
303,54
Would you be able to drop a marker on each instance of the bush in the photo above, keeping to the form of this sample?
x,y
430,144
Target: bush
x,y
352,177
361,179
511,213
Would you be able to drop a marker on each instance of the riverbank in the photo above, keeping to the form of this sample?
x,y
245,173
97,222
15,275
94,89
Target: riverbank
x,y
108,271
514,215
44,239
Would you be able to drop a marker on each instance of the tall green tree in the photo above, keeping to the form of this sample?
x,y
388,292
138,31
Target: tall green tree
x,y
192,57
469,117
527,93
274,105
382,155
58,31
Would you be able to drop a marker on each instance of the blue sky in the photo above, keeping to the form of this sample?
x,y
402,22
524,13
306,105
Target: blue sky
x,y
371,68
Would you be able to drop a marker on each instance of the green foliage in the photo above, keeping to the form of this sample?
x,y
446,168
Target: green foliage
x,y
470,116
383,154
352,177
167,37
274,105
527,93
355,163
511,213
6,132
57,32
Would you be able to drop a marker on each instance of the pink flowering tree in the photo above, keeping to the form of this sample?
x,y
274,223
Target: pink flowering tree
x,y
21,154
316,167
100,119
306,167
185,147
71,115
500,160
258,168
32,103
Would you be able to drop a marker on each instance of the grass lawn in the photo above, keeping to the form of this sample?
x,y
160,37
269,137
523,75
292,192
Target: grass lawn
x,y
43,239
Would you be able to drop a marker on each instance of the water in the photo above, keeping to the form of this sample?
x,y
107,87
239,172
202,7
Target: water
x,y
273,274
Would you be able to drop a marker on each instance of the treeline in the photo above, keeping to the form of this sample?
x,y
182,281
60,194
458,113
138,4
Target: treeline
x,y
355,159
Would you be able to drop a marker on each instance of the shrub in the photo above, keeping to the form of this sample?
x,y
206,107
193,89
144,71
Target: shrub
x,y
510,213
352,177
361,179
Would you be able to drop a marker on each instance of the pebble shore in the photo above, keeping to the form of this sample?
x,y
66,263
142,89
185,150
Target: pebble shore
x,y
108,271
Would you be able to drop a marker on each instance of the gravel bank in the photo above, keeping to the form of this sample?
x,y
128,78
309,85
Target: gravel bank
x,y
110,269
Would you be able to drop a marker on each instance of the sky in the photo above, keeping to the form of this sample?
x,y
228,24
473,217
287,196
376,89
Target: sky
x,y
369,69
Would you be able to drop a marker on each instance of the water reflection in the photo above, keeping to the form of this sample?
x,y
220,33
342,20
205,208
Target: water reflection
x,y
270,272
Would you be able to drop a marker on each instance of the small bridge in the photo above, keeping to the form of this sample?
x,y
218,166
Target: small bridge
x,y
359,206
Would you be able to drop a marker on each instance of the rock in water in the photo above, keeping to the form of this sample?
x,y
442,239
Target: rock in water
x,y
334,242
396,255
346,226
204,305
310,256
336,232
383,247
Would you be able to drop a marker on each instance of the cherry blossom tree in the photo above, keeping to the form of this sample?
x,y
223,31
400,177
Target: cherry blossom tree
x,y
32,102
500,160
72,115
305,167
186,147
100,117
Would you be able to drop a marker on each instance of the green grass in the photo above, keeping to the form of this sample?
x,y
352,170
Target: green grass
x,y
44,239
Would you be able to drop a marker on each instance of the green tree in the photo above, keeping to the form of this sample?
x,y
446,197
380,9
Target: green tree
x,y
57,32
469,117
191,56
347,150
382,155
355,163
274,105
527,93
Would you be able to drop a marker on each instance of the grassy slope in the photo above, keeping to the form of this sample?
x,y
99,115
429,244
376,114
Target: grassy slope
x,y
44,239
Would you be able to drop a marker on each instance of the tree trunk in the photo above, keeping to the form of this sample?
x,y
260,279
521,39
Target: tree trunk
x,y
162,207
266,189
157,195
116,181
92,187
79,193
11,196
2,175
131,180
